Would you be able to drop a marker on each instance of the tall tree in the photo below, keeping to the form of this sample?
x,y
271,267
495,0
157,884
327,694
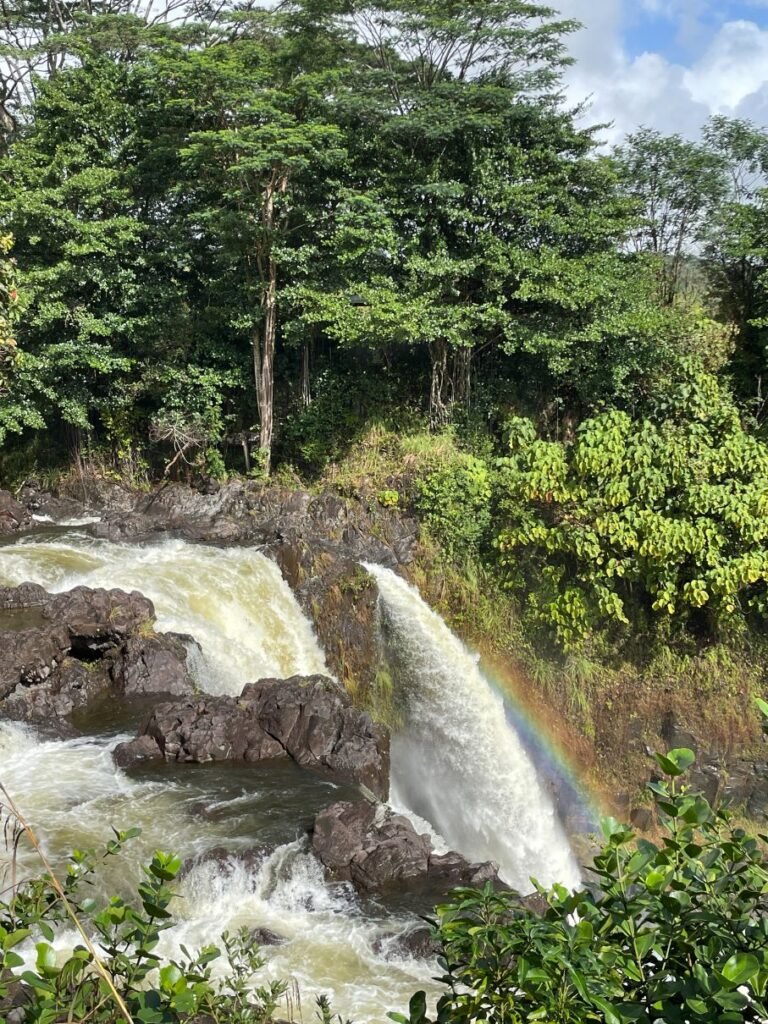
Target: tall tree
x,y
263,141
676,184
736,245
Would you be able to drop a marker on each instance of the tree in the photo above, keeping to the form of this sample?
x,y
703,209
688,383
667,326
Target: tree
x,y
676,185
247,171
736,245
438,102
79,244
38,39
672,931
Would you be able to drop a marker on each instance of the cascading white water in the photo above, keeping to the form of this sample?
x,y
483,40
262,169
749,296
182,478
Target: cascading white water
x,y
236,604
233,601
457,762
73,794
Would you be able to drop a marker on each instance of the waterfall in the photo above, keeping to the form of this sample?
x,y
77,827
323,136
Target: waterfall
x,y
233,601
236,604
457,762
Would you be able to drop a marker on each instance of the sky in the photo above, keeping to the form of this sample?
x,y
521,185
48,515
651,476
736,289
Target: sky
x,y
668,64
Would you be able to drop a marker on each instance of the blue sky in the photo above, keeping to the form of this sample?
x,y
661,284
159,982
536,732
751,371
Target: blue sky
x,y
669,63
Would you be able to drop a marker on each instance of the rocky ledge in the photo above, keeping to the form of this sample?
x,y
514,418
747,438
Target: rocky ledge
x,y
62,651
317,540
308,718
374,848
13,516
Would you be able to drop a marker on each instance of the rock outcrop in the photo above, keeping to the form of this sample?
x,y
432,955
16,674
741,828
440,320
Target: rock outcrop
x,y
62,651
374,848
13,515
318,541
310,719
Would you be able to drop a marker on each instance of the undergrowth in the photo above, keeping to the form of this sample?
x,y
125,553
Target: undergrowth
x,y
114,974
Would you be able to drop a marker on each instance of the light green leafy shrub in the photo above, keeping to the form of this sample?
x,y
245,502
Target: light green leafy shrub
x,y
634,521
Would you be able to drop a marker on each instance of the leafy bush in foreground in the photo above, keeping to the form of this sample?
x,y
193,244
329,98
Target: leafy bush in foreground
x,y
116,975
674,931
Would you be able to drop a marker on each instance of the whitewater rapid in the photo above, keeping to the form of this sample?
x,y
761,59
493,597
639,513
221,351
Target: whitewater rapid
x,y
74,795
458,769
457,762
236,604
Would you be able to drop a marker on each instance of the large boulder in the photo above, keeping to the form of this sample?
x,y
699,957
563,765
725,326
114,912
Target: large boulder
x,y
61,652
374,848
153,663
13,516
310,719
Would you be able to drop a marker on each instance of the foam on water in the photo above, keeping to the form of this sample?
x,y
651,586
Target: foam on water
x,y
457,761
74,795
233,601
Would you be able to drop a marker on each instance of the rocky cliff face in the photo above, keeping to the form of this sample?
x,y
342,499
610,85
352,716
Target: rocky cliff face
x,y
318,541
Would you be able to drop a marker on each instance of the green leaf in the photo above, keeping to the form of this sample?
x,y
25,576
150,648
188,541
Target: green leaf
x,y
676,762
740,968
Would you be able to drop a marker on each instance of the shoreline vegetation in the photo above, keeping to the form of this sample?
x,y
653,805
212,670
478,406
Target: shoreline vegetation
x,y
353,279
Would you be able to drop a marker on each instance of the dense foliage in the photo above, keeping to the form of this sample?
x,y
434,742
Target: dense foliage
x,y
637,518
244,236
8,298
115,972
673,931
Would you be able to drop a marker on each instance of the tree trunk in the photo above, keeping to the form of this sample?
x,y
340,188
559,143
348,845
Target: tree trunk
x,y
441,389
462,375
306,392
265,339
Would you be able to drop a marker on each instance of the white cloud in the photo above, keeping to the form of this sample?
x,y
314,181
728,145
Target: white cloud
x,y
729,76
733,68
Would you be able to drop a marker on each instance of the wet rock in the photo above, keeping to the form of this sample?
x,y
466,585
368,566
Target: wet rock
x,y
26,595
339,833
418,942
13,516
310,719
225,861
375,848
129,755
152,664
266,937
60,652
99,619
457,871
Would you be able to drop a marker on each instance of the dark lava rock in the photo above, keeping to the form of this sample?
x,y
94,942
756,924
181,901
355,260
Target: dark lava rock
x,y
375,848
266,937
152,663
310,719
129,755
60,652
13,516
418,942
